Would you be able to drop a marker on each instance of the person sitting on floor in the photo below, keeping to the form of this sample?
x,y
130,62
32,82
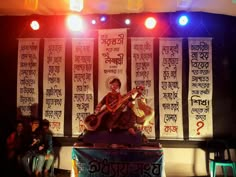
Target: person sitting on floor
x,y
122,118
118,114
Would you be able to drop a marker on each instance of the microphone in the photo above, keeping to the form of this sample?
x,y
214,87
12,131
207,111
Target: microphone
x,y
35,141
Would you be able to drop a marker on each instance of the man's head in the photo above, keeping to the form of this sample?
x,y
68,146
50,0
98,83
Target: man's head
x,y
19,126
45,124
115,84
35,123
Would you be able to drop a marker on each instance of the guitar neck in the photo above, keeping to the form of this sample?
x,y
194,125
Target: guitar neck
x,y
128,95
124,99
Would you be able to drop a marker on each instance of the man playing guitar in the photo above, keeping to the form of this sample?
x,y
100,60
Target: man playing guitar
x,y
117,114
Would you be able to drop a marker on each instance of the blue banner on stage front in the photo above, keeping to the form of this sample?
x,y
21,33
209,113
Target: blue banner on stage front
x,y
123,162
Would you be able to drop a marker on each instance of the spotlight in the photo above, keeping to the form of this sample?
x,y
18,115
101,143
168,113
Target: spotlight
x,y
93,22
34,25
103,18
75,23
150,23
183,20
127,21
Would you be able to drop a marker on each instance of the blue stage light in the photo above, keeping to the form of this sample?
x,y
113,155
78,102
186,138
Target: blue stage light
x,y
183,20
103,18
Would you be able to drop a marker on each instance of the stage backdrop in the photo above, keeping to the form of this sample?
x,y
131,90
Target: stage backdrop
x,y
27,75
113,63
142,73
54,84
170,88
200,88
112,59
82,83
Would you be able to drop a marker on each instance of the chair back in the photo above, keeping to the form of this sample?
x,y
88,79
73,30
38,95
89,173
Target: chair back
x,y
219,148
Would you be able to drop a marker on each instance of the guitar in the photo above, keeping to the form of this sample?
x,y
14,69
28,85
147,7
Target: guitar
x,y
93,121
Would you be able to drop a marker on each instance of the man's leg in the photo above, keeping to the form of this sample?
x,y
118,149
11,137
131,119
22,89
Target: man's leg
x,y
39,164
26,161
48,164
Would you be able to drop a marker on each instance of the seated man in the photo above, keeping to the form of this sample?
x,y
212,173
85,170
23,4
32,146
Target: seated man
x,y
33,145
46,156
117,117
118,109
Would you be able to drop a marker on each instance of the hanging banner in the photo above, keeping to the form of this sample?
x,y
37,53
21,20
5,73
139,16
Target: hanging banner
x,y
170,88
125,162
54,84
112,59
142,73
27,75
200,88
82,83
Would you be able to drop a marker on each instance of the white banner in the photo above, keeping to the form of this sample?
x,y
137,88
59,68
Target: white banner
x,y
54,84
82,83
142,73
112,59
200,88
170,88
27,75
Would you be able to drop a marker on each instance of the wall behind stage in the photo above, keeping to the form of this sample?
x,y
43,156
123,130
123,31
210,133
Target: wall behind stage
x,y
219,27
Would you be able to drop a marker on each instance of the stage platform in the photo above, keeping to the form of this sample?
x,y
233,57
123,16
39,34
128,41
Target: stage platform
x,y
115,137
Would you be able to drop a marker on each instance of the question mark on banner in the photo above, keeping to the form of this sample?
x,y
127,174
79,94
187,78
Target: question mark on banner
x,y
200,124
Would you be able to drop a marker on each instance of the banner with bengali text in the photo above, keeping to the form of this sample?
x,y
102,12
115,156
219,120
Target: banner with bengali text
x,y
170,88
200,88
104,162
54,84
142,73
112,59
27,75
82,82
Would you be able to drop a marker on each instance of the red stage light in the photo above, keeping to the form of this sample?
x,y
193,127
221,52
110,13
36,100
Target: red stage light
x,y
93,21
150,23
127,21
75,23
34,25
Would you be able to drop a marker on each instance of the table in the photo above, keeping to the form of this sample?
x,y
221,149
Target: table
x,y
117,162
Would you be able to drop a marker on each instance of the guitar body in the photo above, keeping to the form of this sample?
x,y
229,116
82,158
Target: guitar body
x,y
93,121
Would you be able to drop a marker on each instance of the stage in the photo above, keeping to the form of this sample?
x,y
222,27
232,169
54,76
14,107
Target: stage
x,y
117,162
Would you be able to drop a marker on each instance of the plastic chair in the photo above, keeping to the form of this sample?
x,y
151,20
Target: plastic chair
x,y
221,158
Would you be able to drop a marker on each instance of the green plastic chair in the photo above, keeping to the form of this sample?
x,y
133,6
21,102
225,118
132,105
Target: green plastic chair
x,y
221,158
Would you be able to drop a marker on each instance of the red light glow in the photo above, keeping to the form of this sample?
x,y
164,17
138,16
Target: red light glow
x,y
150,23
34,25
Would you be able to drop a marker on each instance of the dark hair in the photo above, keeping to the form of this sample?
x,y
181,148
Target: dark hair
x,y
45,122
116,80
34,119
19,122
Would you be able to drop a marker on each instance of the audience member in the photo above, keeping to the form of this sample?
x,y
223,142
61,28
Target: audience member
x,y
15,147
33,145
46,156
